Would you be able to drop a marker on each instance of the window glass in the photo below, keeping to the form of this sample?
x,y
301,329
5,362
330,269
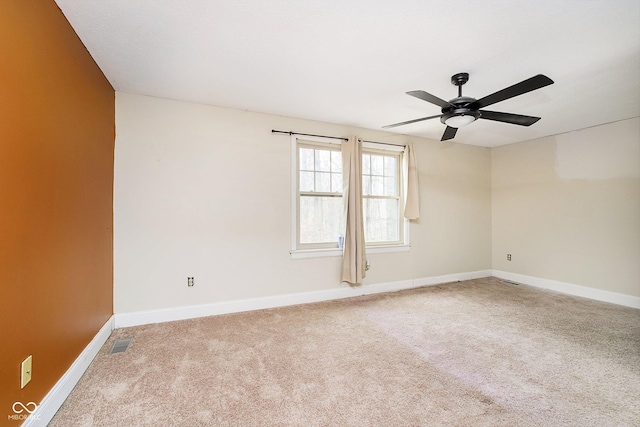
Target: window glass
x,y
381,224
320,196
320,219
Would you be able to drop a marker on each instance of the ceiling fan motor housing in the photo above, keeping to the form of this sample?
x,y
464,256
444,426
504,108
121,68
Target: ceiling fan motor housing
x,y
459,108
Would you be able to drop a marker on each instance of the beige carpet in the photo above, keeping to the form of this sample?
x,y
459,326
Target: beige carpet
x,y
474,353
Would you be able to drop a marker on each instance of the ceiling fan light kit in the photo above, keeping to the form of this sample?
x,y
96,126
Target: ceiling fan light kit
x,y
458,121
463,110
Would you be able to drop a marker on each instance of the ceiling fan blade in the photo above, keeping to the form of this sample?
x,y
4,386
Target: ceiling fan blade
x,y
410,121
514,119
449,133
430,98
535,82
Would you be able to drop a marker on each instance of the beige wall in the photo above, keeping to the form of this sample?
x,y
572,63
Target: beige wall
x,y
567,207
205,191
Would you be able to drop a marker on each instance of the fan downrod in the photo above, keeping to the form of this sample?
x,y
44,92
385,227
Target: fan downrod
x,y
458,80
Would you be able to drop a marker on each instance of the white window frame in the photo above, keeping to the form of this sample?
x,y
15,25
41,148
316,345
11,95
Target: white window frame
x,y
297,253
314,145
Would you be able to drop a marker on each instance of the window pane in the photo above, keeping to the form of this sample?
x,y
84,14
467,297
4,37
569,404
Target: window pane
x,y
323,182
306,181
366,185
320,219
306,159
336,161
366,164
390,187
390,168
323,160
377,186
336,182
381,218
377,165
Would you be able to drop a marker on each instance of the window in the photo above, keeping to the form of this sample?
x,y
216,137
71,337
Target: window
x,y
320,203
317,203
381,198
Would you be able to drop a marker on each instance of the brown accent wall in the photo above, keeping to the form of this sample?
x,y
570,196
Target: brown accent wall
x,y
57,133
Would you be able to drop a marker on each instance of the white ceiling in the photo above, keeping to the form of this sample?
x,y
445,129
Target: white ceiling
x,y
351,61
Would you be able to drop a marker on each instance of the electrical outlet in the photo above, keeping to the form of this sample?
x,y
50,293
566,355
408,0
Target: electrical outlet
x,y
25,371
508,257
190,281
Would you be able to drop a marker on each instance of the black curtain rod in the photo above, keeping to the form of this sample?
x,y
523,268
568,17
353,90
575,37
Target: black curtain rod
x,y
332,137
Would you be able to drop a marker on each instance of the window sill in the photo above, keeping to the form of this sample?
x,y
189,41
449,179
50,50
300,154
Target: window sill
x,y
335,252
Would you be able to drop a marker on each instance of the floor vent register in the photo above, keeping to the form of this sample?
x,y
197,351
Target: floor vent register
x,y
120,345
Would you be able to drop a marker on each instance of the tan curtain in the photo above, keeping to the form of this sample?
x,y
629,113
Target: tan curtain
x,y
412,204
354,257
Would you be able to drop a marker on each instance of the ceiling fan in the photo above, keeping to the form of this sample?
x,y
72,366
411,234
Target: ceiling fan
x,y
464,110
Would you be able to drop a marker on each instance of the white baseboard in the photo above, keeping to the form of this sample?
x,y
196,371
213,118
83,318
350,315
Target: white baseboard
x,y
123,320
571,289
59,393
